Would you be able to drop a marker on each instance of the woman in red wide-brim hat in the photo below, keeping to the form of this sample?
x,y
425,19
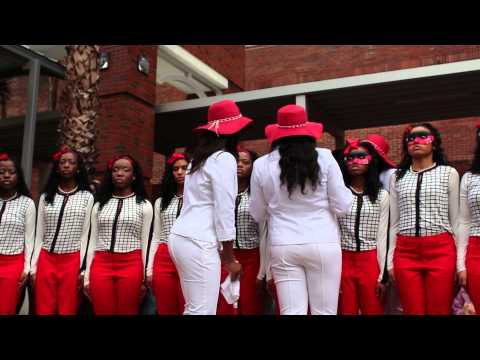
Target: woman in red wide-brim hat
x,y
387,169
208,213
300,190
363,233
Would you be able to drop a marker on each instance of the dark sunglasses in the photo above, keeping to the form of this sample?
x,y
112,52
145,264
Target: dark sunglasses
x,y
417,134
359,155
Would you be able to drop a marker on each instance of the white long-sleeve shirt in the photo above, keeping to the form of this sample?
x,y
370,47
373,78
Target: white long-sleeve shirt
x,y
302,218
365,227
385,178
435,192
63,226
208,212
469,215
17,227
122,226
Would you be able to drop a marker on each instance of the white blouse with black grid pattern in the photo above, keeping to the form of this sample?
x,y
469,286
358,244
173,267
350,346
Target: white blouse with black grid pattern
x,y
365,226
246,227
423,203
469,214
162,224
121,226
17,227
63,226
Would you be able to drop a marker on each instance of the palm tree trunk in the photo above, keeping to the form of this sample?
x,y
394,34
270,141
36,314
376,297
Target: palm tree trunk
x,y
79,102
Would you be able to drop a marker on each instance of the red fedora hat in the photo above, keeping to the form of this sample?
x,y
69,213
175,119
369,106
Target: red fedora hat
x,y
380,144
292,121
224,118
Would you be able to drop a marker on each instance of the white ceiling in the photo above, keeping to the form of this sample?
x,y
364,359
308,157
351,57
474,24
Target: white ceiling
x,y
55,52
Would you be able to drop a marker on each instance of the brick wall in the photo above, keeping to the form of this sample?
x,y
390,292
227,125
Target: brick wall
x,y
276,65
228,60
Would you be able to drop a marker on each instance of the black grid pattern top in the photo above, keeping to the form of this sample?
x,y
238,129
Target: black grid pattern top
x,y
469,215
246,227
423,202
162,224
16,214
360,227
167,217
65,222
119,225
473,199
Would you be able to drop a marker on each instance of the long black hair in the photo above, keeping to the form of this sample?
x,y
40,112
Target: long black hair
x,y
208,143
22,187
438,153
169,186
105,192
475,167
81,178
372,176
298,162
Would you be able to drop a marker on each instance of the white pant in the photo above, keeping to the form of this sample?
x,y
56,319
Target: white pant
x,y
305,275
198,266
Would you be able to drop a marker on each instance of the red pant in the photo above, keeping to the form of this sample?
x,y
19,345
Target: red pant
x,y
360,273
115,282
166,284
56,283
11,269
425,272
473,271
250,302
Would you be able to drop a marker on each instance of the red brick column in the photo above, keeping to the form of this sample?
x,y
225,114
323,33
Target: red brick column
x,y
127,100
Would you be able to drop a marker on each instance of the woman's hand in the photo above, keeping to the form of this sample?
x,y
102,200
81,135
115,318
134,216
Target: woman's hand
x,y
234,268
380,291
23,280
260,286
391,275
148,281
462,278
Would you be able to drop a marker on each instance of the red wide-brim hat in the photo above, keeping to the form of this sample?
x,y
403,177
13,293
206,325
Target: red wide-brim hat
x,y
224,118
381,147
312,129
292,121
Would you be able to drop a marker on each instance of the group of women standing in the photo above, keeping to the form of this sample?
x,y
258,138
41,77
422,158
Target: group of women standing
x,y
326,232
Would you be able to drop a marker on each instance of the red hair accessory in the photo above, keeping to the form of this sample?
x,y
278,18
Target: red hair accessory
x,y
352,144
407,130
116,158
4,157
240,149
176,156
478,125
63,150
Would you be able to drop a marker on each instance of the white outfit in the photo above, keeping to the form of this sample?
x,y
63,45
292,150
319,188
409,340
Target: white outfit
x,y
207,218
435,192
63,226
303,233
121,226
